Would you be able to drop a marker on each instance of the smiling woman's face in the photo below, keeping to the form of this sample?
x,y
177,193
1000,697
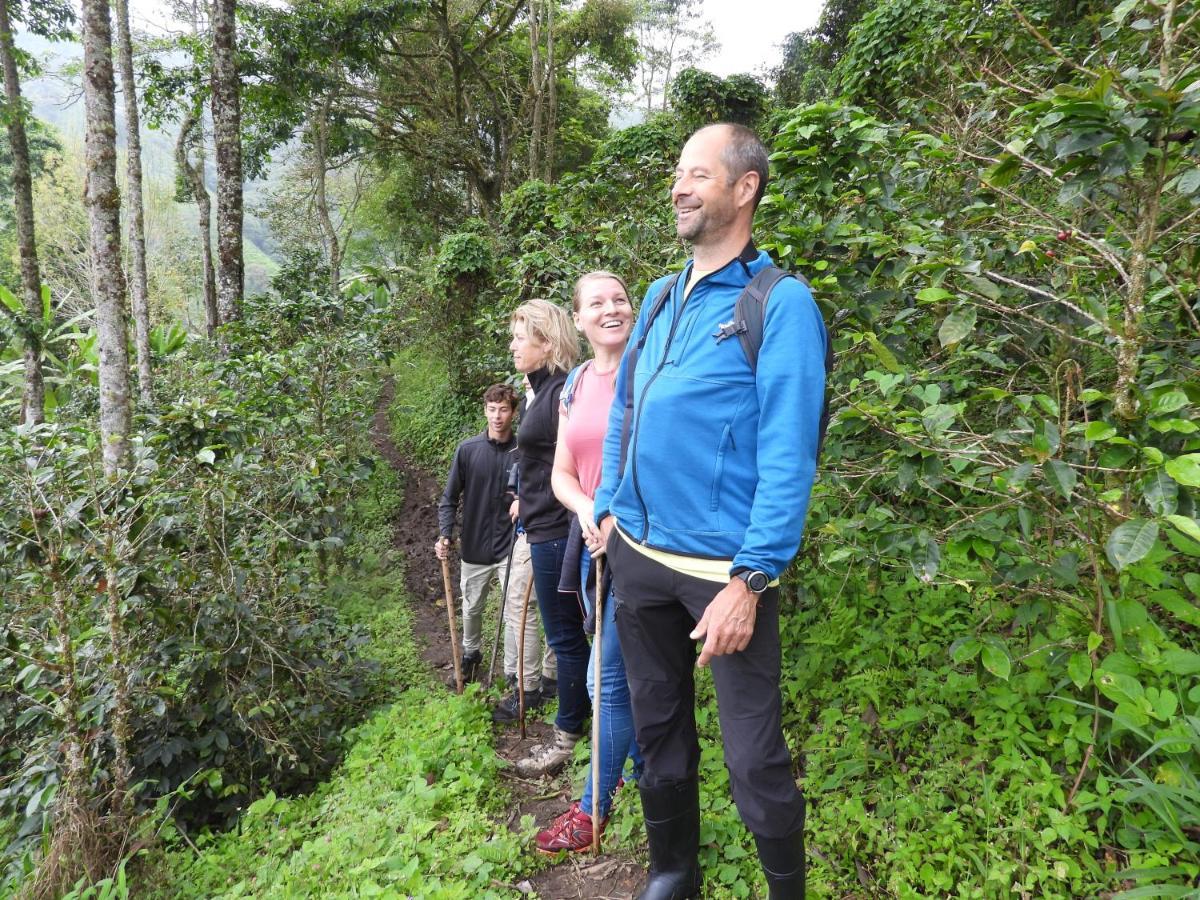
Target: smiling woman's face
x,y
529,354
605,316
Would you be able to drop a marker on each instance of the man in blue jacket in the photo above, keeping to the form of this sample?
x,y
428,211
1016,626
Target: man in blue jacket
x,y
701,508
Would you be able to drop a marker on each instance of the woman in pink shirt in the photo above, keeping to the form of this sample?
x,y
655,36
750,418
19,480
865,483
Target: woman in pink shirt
x,y
605,317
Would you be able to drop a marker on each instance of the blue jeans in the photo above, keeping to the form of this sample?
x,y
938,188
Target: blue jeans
x,y
562,619
617,742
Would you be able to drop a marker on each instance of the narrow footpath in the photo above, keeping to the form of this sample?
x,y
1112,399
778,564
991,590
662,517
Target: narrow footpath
x,y
611,876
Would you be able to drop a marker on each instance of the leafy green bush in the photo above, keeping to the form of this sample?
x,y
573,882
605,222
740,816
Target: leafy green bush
x,y
170,630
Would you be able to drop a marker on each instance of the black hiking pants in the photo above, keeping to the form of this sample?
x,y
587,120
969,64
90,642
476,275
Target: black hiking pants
x,y
656,608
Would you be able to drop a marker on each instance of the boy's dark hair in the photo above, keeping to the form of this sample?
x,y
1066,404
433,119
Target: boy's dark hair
x,y
501,393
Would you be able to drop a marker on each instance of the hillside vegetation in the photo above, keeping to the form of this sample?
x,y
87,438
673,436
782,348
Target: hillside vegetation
x,y
991,632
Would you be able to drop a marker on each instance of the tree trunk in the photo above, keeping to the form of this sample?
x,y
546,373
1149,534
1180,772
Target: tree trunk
x,y
33,399
320,142
535,88
551,98
104,219
137,223
199,192
227,137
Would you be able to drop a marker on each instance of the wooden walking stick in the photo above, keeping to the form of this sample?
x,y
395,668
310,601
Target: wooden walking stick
x,y
458,680
596,706
521,658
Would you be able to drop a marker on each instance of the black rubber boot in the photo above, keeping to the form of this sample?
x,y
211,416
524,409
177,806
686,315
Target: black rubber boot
x,y
783,863
673,828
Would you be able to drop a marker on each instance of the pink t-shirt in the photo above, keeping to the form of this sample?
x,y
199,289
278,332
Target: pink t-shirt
x,y
586,422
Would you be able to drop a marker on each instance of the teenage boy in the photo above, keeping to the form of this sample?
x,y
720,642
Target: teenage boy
x,y
479,478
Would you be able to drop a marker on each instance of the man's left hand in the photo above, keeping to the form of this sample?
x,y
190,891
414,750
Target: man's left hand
x,y
728,621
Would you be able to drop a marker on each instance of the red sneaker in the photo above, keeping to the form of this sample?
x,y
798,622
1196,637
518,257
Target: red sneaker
x,y
570,831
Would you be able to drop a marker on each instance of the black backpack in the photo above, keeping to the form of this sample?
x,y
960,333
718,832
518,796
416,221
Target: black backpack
x,y
749,313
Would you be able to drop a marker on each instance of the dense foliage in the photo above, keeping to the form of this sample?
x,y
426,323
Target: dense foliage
x,y
231,670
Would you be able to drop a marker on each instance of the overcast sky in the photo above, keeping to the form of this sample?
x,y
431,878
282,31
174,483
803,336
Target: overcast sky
x,y
750,31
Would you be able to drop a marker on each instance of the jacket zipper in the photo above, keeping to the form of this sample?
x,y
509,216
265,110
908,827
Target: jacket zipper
x,y
637,418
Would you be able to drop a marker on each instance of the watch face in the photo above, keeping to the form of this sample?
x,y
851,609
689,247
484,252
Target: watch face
x,y
757,581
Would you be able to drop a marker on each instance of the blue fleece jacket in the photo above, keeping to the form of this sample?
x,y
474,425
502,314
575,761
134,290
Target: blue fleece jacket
x,y
721,460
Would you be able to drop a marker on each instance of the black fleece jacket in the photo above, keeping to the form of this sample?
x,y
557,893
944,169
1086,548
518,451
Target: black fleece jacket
x,y
544,518
479,475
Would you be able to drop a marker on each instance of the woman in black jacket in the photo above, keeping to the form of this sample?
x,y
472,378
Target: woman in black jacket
x,y
545,347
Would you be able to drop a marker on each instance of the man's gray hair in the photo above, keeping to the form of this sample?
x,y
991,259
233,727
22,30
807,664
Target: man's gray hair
x,y
745,152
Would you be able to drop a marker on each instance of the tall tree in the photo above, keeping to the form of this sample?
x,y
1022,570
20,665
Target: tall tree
x,y
137,220
672,36
227,138
33,398
103,201
192,187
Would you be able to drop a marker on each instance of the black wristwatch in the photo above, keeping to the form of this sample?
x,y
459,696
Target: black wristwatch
x,y
756,581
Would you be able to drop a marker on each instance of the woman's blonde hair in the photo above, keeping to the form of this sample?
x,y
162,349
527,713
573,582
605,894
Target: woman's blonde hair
x,y
598,275
548,323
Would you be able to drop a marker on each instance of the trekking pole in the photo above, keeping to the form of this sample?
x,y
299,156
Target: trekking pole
x,y
596,706
521,659
458,679
503,597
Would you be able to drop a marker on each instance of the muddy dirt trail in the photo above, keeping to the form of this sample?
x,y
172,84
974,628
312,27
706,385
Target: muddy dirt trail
x,y
611,876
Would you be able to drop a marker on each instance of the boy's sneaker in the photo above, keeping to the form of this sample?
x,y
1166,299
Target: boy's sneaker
x,y
508,709
547,759
571,831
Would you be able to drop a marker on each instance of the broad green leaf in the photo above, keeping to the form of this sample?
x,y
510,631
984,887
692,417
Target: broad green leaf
x,y
1188,182
1192,580
206,456
1061,476
1094,640
926,557
1161,493
1099,431
995,659
1185,469
1178,606
1181,662
1131,541
1123,9
1003,172
933,295
47,312
9,299
885,356
1079,668
1187,525
957,325
1025,519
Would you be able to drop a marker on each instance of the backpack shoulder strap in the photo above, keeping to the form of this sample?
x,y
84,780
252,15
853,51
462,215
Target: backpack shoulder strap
x,y
749,313
568,390
631,359
750,310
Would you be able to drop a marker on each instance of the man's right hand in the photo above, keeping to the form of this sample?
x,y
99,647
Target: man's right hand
x,y
514,511
441,548
605,528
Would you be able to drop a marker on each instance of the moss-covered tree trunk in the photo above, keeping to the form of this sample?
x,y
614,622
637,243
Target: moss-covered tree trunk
x,y
190,132
33,399
103,202
226,114
139,290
